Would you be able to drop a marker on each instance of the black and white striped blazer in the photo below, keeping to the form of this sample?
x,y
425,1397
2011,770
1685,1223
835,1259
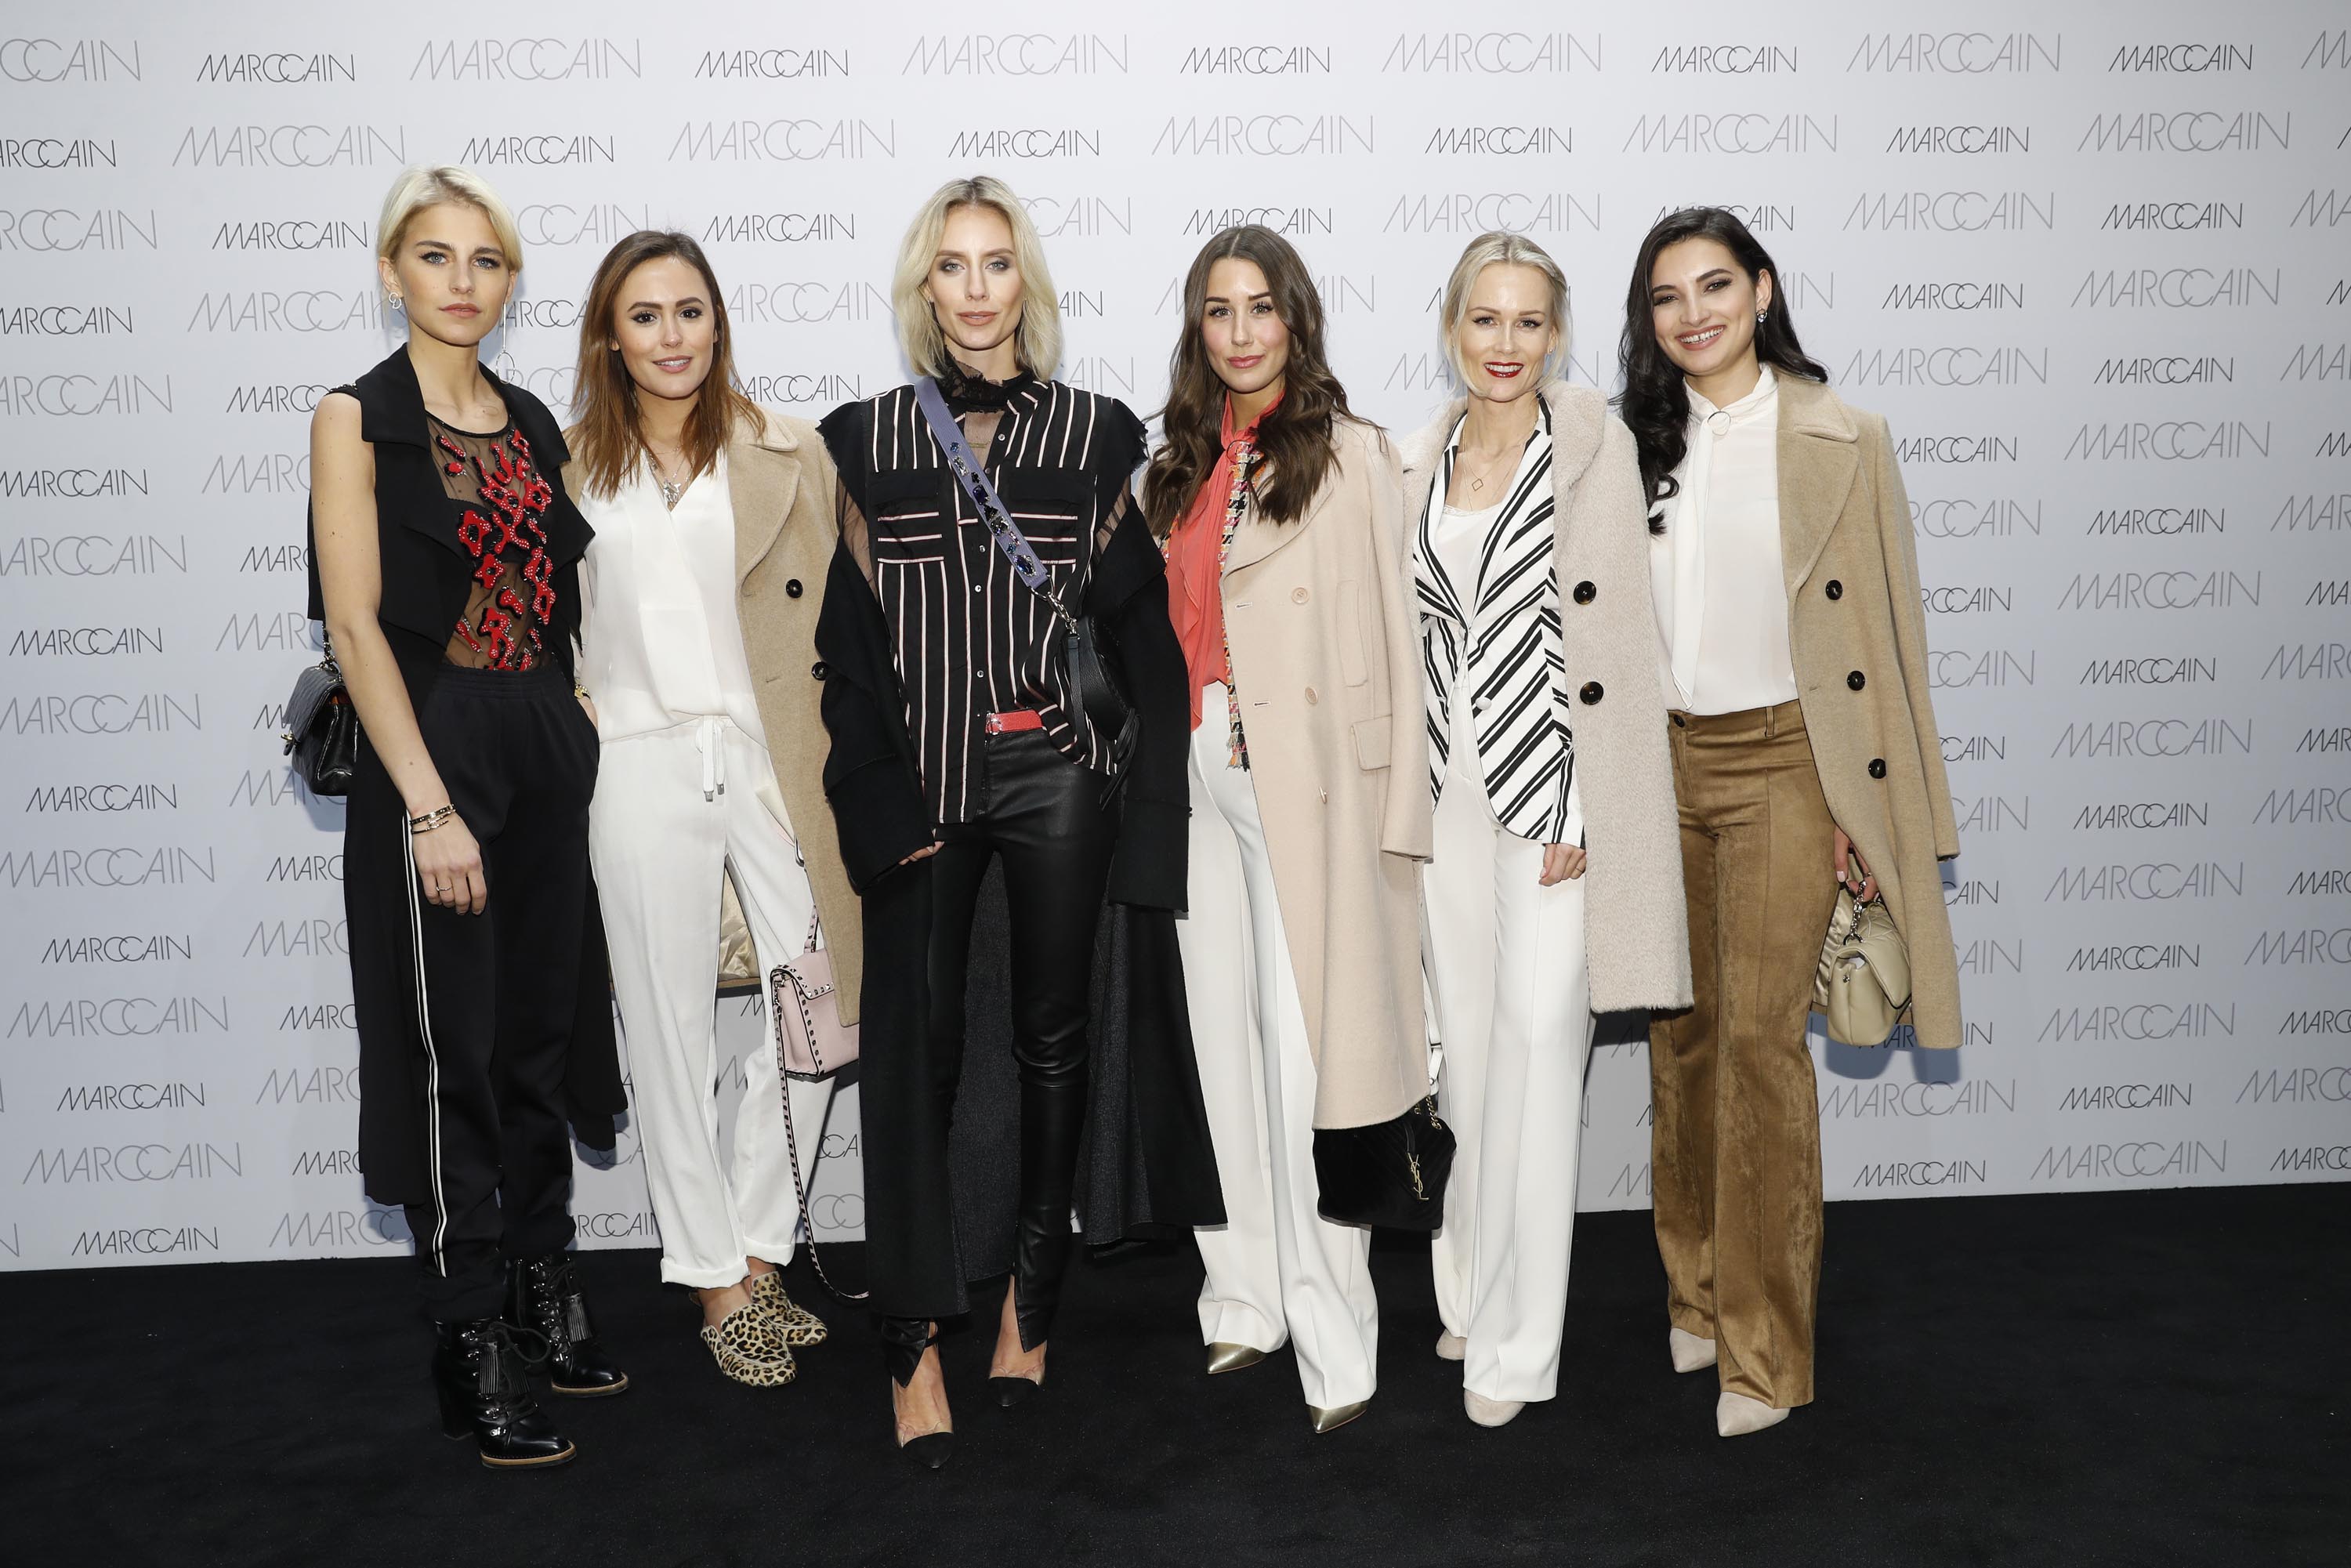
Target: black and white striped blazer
x,y
1506,627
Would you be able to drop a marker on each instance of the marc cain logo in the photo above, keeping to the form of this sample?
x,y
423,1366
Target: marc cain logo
x,y
2158,882
1491,54
169,866
782,140
291,147
530,59
2130,1161
71,60
64,320
2185,736
1957,54
84,396
325,1230
1264,135
2315,1157
795,302
1921,1173
85,641
1467,212
601,223
152,1240
540,149
71,484
1952,211
1732,134
2188,131
70,229
1958,365
297,310
57,152
1017,55
2141,1021
102,713
1974,1097
2159,522
135,1162
118,1016
278,70
119,948
773,64
613,1225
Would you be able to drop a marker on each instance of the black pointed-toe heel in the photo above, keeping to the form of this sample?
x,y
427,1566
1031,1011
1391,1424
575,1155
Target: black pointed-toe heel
x,y
904,1342
1011,1392
484,1393
544,1295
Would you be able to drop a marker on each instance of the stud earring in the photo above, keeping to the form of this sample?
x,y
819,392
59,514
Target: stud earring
x,y
1760,315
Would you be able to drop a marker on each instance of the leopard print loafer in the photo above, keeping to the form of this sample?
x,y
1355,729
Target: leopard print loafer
x,y
800,1328
748,1350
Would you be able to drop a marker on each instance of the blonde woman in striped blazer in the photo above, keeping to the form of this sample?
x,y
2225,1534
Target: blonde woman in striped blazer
x,y
1555,890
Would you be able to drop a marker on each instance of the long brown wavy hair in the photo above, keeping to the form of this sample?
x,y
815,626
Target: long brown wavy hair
x,y
1293,439
603,436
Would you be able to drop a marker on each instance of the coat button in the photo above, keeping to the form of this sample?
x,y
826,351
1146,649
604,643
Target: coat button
x,y
1877,768
1298,596
1857,680
1589,694
793,589
1585,592
818,669
1835,590
1311,697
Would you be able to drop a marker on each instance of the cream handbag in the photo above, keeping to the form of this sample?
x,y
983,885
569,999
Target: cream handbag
x,y
1862,986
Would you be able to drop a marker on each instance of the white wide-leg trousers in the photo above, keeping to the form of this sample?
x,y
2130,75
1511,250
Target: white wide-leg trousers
x,y
1506,961
674,814
1276,1269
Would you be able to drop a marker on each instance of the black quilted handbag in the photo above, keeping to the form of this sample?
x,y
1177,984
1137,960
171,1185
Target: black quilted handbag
x,y
1391,1173
322,729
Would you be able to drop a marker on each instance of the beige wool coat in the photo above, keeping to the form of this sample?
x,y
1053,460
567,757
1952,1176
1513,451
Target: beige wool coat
x,y
1857,631
780,482
1326,662
1637,927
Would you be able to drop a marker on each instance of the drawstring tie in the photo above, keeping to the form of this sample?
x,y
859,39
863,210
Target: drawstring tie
x,y
709,738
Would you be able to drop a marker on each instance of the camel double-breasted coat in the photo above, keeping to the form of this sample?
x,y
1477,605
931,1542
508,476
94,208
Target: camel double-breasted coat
x,y
1857,633
1326,660
1636,929
780,484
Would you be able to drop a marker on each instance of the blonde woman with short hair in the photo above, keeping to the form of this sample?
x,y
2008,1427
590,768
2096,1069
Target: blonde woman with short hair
x,y
1555,887
959,738
445,564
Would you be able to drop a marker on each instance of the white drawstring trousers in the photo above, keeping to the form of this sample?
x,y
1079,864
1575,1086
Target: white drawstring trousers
x,y
675,812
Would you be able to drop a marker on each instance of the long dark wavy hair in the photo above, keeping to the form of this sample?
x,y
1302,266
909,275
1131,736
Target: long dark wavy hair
x,y
603,436
1656,402
1293,439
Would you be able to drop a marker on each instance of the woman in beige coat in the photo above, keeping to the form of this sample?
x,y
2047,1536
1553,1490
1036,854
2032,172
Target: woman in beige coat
x,y
1282,519
714,528
1543,714
1792,649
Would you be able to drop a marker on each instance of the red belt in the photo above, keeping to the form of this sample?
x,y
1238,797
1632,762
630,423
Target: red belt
x,y
1019,718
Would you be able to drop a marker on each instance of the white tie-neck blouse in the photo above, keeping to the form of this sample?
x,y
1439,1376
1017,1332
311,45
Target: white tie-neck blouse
x,y
1715,574
663,642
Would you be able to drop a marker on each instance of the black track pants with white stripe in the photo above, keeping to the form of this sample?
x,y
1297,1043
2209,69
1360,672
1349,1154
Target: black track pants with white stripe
x,y
497,992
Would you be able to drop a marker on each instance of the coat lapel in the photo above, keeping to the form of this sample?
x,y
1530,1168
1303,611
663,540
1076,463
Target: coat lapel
x,y
763,476
1818,462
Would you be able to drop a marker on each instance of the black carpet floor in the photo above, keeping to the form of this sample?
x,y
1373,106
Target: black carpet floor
x,y
2131,1378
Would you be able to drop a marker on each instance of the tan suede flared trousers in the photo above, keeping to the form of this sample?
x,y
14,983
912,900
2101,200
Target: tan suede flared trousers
x,y
1735,1144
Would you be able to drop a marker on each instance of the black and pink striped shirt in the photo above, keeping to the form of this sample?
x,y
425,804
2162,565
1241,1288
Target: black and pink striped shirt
x,y
970,639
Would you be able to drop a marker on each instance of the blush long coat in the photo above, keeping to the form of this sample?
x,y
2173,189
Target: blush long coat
x,y
1326,660
1636,927
1857,633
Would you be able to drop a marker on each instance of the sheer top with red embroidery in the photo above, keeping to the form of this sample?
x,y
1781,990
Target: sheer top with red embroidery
x,y
501,501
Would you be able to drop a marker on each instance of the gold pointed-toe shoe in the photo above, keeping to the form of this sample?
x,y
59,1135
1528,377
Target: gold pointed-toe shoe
x,y
1337,1416
1227,1357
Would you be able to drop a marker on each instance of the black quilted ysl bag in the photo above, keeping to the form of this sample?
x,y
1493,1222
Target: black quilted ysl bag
x,y
1391,1173
322,729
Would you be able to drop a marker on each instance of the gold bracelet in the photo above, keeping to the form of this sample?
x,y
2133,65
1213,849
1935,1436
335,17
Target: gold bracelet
x,y
430,820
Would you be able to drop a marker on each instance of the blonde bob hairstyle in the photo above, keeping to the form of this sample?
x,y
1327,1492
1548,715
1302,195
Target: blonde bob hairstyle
x,y
1497,247
426,185
1040,332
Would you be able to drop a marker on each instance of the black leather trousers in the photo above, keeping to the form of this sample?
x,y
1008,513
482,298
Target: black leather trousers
x,y
1042,816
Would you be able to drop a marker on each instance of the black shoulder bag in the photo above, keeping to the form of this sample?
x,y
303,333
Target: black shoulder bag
x,y
322,728
1091,660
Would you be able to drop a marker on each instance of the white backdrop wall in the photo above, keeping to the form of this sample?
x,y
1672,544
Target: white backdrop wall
x,y
2089,260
